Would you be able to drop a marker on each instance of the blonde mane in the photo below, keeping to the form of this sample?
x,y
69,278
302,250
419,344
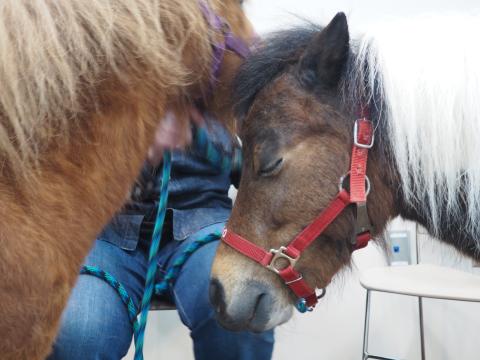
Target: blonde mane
x,y
54,55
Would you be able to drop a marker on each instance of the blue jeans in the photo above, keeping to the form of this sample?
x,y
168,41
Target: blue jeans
x,y
95,324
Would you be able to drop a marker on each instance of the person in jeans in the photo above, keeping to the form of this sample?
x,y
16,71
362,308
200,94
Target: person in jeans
x,y
95,323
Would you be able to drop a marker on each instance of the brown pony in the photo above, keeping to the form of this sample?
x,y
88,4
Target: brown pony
x,y
298,98
84,84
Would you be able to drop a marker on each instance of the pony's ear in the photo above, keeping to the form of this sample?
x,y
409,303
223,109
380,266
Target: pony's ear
x,y
323,61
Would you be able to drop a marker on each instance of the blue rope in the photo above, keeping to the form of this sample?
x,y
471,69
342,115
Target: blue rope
x,y
122,292
139,334
173,271
217,158
161,288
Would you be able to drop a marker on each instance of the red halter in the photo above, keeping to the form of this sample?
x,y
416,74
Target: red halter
x,y
359,189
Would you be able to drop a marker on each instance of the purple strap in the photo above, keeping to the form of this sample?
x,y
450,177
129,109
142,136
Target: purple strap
x,y
230,42
236,45
212,18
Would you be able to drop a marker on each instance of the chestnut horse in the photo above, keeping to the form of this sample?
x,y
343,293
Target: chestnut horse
x,y
298,99
84,84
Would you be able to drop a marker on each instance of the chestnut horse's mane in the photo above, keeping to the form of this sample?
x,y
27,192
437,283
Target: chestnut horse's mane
x,y
55,55
421,78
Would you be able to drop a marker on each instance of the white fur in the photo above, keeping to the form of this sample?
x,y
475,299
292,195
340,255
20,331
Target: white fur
x,y
428,69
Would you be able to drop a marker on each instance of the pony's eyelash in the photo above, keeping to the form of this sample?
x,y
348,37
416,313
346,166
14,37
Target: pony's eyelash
x,y
272,168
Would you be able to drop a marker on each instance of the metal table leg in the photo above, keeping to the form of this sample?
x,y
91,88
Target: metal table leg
x,y
422,336
366,327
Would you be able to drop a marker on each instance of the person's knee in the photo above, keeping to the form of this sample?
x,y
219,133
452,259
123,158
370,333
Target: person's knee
x,y
80,336
191,288
95,322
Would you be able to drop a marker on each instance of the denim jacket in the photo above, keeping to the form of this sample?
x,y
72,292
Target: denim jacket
x,y
198,195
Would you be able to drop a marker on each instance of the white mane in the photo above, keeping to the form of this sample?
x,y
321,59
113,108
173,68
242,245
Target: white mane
x,y
428,72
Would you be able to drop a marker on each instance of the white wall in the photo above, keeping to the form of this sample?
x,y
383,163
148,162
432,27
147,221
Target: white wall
x,y
334,330
268,15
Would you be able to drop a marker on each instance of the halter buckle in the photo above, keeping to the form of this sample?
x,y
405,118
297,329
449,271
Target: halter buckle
x,y
356,139
280,254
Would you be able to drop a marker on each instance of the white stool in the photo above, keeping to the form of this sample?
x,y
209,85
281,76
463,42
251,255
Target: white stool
x,y
422,281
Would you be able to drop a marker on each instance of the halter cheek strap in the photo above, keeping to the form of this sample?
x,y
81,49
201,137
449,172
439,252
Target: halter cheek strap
x,y
359,189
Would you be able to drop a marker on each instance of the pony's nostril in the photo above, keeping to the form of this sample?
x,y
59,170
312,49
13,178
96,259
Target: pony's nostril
x,y
217,295
259,300
261,314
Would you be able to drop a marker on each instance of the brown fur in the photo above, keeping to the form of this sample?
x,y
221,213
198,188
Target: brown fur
x,y
52,212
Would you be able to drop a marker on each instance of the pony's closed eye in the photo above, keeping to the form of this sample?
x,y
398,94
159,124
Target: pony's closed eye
x,y
267,155
272,168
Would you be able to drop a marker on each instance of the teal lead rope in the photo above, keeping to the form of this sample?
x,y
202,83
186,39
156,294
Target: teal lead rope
x,y
217,158
173,271
121,291
139,333
140,324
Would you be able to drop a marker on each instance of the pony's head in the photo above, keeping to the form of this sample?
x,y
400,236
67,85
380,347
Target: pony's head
x,y
297,138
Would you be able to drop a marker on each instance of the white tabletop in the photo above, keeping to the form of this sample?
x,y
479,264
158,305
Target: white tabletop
x,y
424,280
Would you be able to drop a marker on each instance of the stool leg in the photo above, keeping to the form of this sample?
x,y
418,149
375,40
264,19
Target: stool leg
x,y
366,327
422,335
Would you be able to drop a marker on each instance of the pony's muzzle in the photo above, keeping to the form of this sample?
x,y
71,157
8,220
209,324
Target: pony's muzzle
x,y
250,310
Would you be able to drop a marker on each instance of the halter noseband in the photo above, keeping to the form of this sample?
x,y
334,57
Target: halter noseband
x,y
357,195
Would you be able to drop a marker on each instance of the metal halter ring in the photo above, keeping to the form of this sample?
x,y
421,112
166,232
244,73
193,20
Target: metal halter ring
x,y
280,254
322,293
344,177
